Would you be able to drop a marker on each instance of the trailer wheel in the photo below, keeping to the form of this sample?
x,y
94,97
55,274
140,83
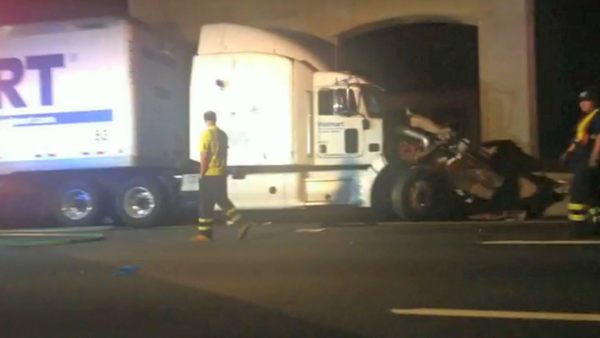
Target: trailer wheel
x,y
421,194
78,203
140,203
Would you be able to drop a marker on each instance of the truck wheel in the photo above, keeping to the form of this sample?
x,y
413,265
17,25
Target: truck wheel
x,y
140,203
381,206
421,194
78,203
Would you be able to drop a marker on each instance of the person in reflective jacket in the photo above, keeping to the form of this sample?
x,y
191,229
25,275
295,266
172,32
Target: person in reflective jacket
x,y
213,180
582,157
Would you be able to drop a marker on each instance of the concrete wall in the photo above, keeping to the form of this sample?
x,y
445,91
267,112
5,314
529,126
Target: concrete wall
x,y
20,11
506,45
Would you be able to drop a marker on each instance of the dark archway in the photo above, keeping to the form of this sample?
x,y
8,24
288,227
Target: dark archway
x,y
433,68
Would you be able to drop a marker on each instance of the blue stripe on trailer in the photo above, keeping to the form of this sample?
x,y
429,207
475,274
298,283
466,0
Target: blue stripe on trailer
x,y
47,119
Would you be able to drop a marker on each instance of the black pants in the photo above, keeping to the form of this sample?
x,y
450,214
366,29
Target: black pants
x,y
583,191
213,190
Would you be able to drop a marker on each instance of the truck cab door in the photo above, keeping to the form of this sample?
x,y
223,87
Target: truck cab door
x,y
339,127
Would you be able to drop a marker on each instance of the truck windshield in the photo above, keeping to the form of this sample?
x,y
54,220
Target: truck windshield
x,y
337,102
374,98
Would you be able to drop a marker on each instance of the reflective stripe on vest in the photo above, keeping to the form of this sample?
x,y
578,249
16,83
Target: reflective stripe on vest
x,y
582,135
205,220
577,218
577,206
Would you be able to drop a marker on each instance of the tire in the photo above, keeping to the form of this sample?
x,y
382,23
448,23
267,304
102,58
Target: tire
x,y
381,206
421,194
140,202
78,203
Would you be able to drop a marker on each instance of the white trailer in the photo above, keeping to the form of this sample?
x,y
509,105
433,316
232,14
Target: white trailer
x,y
93,115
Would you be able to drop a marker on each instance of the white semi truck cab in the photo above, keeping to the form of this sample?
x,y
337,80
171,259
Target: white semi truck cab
x,y
300,134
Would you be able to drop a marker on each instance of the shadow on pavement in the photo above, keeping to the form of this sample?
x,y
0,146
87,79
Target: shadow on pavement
x,y
57,296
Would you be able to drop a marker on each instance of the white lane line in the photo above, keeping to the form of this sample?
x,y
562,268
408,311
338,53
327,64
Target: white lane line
x,y
556,316
481,223
311,230
549,242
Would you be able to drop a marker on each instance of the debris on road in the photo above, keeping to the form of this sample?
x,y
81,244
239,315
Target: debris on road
x,y
128,270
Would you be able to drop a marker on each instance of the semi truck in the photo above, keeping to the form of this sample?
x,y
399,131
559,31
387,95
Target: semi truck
x,y
101,118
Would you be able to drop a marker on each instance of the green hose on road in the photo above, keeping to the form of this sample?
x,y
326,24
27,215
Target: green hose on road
x,y
28,239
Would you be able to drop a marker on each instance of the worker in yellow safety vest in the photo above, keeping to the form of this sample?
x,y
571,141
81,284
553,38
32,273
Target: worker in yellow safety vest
x,y
213,180
582,157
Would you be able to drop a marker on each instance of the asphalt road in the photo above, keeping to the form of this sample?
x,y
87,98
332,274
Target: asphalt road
x,y
306,280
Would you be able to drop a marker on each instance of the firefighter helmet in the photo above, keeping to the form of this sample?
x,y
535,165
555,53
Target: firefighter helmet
x,y
589,94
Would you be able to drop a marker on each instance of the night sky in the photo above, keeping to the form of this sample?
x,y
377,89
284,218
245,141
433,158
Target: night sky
x,y
433,58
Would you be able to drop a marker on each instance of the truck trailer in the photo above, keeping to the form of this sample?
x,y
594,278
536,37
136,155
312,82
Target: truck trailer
x,y
93,118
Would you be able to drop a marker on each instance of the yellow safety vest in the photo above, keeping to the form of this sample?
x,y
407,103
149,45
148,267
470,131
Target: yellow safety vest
x,y
214,142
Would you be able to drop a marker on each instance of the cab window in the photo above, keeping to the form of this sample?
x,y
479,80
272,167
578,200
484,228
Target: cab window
x,y
337,102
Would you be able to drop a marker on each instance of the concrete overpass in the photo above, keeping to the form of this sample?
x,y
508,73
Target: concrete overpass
x,y
505,39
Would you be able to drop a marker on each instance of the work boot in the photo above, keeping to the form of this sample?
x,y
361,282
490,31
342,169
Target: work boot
x,y
204,233
243,229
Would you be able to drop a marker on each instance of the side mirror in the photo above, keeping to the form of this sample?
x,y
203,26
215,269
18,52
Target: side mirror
x,y
366,124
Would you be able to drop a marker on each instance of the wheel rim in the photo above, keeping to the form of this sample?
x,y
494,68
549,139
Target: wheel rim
x,y
421,196
76,204
139,202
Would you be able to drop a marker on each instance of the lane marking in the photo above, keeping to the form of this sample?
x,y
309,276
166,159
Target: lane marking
x,y
311,230
555,316
537,242
480,223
